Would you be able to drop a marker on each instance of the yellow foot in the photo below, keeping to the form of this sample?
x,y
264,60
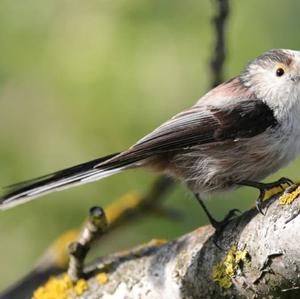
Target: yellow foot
x,y
269,193
269,190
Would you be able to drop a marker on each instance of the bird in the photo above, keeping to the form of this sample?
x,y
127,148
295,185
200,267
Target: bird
x,y
235,135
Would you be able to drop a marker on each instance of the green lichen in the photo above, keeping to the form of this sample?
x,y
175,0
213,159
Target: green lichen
x,y
224,271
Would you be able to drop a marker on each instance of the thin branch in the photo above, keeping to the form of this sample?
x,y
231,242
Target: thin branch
x,y
126,209
95,227
219,54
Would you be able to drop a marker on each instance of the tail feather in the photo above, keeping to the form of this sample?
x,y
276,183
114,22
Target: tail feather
x,y
86,172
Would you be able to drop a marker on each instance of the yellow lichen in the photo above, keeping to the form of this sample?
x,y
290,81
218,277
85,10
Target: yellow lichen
x,y
60,288
226,269
102,278
288,198
80,286
128,201
157,242
58,252
55,288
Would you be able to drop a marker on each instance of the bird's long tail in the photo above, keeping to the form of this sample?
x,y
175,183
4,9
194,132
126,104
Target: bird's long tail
x,y
63,179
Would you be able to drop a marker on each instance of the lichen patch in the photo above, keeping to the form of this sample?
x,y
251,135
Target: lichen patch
x,y
80,287
224,271
288,198
102,278
60,288
157,242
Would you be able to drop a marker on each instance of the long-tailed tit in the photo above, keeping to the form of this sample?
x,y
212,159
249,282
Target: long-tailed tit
x,y
237,134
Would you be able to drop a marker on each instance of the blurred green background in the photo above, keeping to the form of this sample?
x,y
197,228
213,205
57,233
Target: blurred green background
x,y
81,79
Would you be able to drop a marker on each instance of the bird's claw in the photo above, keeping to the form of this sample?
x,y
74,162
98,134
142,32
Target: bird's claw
x,y
285,180
219,226
259,205
268,190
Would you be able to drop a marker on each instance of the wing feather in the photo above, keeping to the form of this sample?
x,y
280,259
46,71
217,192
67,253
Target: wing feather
x,y
201,125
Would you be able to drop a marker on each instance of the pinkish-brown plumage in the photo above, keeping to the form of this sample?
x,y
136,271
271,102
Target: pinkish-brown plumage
x,y
242,130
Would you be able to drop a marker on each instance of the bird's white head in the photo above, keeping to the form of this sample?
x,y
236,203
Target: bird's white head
x,y
275,78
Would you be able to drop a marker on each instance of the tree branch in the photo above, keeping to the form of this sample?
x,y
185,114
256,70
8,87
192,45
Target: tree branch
x,y
260,258
55,260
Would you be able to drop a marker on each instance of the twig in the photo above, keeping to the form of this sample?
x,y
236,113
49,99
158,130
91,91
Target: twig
x,y
219,54
96,226
56,258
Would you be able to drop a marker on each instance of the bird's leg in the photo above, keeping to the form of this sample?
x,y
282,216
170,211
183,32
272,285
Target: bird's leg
x,y
218,225
267,190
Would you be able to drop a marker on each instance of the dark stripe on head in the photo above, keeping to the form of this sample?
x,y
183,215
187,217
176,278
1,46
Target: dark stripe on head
x,y
275,55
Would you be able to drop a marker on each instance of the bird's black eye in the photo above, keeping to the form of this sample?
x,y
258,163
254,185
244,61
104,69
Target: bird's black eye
x,y
279,71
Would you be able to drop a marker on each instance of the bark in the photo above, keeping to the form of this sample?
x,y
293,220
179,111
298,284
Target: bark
x,y
259,258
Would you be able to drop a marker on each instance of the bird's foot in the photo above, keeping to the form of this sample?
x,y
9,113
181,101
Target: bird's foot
x,y
268,190
219,226
216,224
277,187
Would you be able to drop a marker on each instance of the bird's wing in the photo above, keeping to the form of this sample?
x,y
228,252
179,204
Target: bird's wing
x,y
201,124
205,123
